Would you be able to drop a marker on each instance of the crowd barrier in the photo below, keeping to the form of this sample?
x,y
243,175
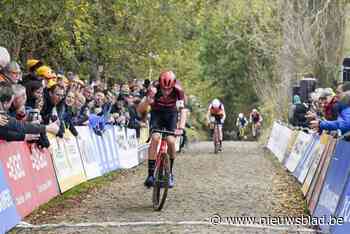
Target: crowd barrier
x,y
322,165
30,177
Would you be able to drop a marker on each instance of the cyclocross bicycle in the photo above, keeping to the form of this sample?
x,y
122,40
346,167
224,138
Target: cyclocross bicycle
x,y
161,171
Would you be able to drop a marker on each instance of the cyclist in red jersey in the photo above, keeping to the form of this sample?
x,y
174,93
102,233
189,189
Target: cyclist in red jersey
x,y
166,98
216,112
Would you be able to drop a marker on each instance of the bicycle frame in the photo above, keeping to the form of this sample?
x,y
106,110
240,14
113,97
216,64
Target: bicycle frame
x,y
162,149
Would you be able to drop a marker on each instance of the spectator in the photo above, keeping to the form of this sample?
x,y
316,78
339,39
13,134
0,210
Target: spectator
x,y
300,111
13,130
4,61
83,112
327,101
342,123
13,71
88,93
46,74
34,89
135,121
100,106
54,107
62,81
18,109
70,112
116,89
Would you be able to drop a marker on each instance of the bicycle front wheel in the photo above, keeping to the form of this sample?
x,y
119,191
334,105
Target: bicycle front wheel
x,y
161,185
216,139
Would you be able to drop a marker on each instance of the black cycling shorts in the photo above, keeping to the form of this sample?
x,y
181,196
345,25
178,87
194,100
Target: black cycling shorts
x,y
161,119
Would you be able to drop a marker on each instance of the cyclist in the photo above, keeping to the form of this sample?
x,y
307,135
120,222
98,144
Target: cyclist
x,y
216,113
255,119
241,123
165,98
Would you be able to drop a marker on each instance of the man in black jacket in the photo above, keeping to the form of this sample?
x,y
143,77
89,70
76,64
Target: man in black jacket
x,y
14,130
54,108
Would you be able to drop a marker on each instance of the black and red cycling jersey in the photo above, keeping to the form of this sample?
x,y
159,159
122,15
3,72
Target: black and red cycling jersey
x,y
217,111
169,102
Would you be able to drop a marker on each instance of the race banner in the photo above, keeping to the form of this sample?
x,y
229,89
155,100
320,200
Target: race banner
x,y
281,145
101,152
126,157
334,183
8,213
66,176
144,134
43,174
132,142
306,160
317,182
142,152
291,142
298,151
89,154
111,149
73,155
343,211
15,158
317,153
271,144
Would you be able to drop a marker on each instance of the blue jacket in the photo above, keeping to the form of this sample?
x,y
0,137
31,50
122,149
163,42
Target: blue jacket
x,y
342,123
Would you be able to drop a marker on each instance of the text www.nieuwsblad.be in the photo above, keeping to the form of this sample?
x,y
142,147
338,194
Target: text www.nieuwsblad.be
x,y
217,219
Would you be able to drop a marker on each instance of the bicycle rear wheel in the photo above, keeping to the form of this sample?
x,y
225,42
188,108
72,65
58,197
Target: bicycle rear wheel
x,y
161,184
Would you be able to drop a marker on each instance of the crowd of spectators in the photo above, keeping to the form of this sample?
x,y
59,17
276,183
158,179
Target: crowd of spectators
x,y
326,110
38,101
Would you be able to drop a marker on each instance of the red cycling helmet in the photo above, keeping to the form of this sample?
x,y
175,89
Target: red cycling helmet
x,y
167,80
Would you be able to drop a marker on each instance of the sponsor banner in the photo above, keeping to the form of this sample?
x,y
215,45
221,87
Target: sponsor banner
x,y
317,181
89,153
111,149
8,213
15,158
343,212
304,163
142,152
291,142
73,155
273,137
298,151
43,174
66,176
334,183
126,157
282,143
144,134
101,151
317,153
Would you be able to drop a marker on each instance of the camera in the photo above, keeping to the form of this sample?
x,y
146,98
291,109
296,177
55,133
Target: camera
x,y
33,115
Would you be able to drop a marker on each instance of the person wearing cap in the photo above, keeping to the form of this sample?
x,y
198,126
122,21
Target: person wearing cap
x,y
328,100
46,74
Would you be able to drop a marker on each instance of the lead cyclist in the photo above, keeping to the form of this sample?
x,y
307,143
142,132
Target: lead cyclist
x,y
165,98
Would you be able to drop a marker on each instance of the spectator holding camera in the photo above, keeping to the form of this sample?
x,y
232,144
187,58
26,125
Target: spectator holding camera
x,y
54,107
14,130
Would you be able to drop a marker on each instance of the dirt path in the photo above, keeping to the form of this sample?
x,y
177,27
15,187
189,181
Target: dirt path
x,y
244,180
